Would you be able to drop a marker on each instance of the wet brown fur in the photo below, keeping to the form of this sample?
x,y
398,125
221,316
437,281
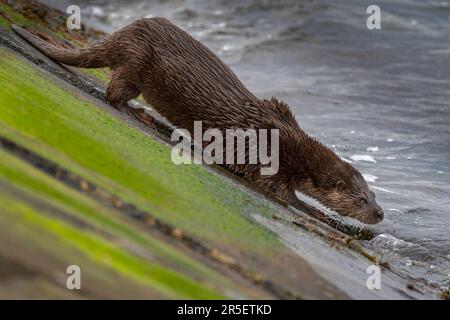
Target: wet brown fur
x,y
186,82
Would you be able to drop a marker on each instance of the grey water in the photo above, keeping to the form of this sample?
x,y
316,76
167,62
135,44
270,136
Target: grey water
x,y
379,98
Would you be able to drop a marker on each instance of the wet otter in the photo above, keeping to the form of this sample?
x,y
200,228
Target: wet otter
x,y
186,82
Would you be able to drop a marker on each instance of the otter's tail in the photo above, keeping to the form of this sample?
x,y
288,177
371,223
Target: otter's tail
x,y
93,57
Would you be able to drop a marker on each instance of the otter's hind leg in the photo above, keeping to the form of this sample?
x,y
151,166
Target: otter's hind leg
x,y
123,87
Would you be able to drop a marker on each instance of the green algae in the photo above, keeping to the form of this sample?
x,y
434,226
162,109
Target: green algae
x,y
57,124
106,254
101,75
18,173
14,16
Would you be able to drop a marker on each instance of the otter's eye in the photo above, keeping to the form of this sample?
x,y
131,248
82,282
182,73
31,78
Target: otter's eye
x,y
363,201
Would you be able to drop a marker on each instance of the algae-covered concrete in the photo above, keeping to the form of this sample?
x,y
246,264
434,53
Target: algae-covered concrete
x,y
82,184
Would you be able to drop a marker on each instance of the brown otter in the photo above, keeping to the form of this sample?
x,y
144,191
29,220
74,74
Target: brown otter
x,y
186,82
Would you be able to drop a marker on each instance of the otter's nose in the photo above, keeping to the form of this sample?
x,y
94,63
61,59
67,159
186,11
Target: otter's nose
x,y
380,214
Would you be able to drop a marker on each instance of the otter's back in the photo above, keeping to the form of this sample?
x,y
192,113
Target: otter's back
x,y
181,73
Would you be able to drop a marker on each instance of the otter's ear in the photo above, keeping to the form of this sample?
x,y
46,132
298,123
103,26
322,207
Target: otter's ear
x,y
340,185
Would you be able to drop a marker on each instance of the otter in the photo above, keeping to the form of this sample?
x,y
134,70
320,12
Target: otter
x,y
186,82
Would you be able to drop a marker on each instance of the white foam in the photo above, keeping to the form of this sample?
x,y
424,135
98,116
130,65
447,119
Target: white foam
x,y
388,241
373,149
362,157
347,160
312,202
329,212
97,11
369,177
382,189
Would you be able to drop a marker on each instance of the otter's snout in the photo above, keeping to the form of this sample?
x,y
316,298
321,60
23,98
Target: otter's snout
x,y
376,214
379,215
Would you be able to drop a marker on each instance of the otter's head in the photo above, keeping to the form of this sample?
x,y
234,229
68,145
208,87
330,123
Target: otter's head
x,y
307,166
342,189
